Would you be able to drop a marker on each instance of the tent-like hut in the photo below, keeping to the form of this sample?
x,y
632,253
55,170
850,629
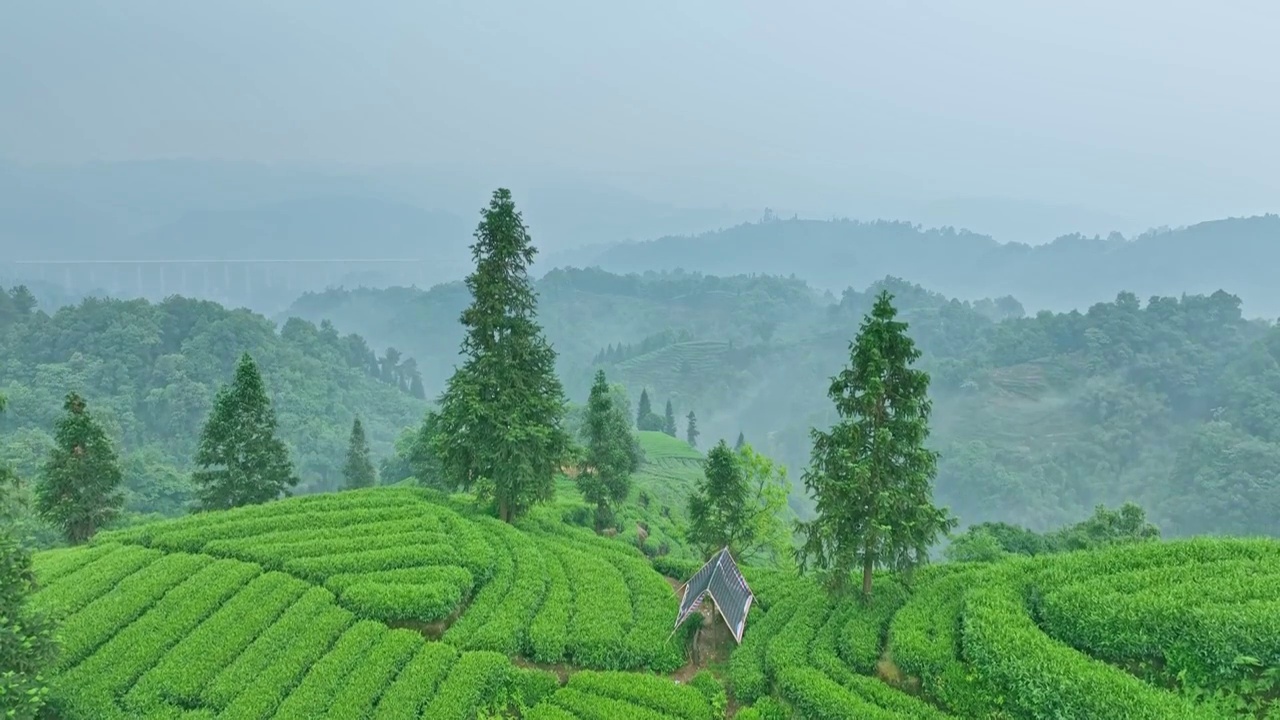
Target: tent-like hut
x,y
721,579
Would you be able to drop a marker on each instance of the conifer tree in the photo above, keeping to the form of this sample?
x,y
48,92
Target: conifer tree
x,y
739,503
645,410
691,430
669,422
646,418
742,440
358,470
241,460
26,637
501,415
416,389
871,475
423,461
79,488
612,453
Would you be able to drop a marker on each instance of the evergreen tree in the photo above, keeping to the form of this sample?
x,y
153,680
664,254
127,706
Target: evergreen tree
x,y
26,637
358,470
739,503
718,511
871,475
416,389
645,410
423,461
669,422
241,460
501,415
612,453
742,441
691,431
646,418
79,488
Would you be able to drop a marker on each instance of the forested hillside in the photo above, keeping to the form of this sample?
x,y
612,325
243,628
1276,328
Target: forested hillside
x,y
581,311
149,373
1070,272
1038,419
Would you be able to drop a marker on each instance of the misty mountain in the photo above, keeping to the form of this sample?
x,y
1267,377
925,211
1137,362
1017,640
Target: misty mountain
x,y
1072,272
197,209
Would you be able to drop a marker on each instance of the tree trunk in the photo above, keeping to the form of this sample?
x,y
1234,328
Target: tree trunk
x,y
504,512
867,565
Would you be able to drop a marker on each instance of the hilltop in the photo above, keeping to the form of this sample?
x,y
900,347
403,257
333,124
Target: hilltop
x,y
1070,272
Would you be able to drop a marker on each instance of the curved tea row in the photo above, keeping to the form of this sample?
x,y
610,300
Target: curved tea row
x,y
1185,629
283,610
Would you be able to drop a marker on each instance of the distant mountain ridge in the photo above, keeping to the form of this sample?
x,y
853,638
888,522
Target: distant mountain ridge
x,y
1072,272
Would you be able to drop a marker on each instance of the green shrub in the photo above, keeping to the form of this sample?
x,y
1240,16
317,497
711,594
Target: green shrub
x,y
417,682
530,686
648,691
1038,676
199,657
713,690
478,681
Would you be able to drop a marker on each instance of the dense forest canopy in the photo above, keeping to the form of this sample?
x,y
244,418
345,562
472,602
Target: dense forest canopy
x,y
1037,418
149,373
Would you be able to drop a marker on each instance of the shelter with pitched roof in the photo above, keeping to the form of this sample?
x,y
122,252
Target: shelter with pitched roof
x,y
721,579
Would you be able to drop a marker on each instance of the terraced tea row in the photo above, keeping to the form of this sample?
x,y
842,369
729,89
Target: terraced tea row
x,y
390,555
1102,634
816,654
278,610
604,696
192,636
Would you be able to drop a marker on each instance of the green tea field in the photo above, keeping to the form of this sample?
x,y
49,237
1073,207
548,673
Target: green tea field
x,y
372,603
387,603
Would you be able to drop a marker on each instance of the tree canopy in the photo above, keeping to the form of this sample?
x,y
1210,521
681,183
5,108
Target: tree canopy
x,y
241,460
611,453
79,487
871,475
26,637
739,503
500,419
359,471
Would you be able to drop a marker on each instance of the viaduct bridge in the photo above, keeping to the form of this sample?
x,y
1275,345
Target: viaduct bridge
x,y
242,280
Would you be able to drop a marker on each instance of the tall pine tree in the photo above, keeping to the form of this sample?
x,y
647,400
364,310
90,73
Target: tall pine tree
x,y
241,460
358,471
669,421
612,453
871,475
26,637
691,430
646,418
79,488
742,441
645,409
501,415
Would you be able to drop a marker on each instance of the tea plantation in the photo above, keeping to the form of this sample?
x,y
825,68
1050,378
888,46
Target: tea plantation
x,y
388,603
1186,629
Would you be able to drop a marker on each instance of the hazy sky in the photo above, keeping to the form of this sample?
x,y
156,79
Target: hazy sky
x,y
1163,112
